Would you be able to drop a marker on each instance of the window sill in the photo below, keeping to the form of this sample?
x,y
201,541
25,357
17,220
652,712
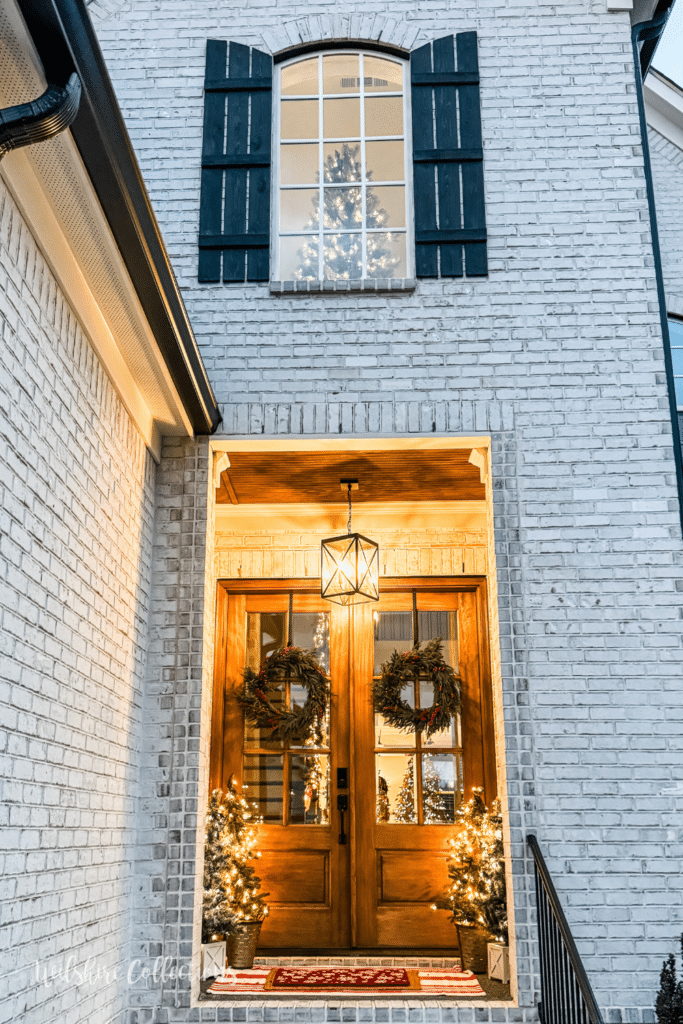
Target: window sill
x,y
394,284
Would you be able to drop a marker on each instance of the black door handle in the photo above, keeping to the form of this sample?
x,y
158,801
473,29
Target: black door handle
x,y
342,805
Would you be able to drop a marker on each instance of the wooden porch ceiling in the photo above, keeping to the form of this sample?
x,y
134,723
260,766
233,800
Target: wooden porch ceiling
x,y
383,476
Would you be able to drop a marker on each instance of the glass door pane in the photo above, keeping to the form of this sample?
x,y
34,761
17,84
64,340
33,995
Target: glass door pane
x,y
416,788
290,787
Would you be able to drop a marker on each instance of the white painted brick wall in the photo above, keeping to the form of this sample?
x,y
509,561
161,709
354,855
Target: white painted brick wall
x,y
558,354
76,487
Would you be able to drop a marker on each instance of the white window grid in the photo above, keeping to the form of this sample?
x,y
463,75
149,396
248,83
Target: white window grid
x,y
321,139
676,342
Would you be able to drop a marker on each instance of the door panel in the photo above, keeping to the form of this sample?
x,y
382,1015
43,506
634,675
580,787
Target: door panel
x,y
302,865
423,780
404,876
377,889
301,877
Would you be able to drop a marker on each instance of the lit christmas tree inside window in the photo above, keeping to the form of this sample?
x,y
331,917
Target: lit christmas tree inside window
x,y
342,196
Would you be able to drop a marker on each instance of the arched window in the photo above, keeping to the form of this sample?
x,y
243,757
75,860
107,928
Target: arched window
x,y
342,184
321,196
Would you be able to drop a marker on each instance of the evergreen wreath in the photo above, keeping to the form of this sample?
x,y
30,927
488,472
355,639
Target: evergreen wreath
x,y
299,666
426,663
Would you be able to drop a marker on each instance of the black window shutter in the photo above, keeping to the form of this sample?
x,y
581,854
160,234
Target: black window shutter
x,y
448,159
234,211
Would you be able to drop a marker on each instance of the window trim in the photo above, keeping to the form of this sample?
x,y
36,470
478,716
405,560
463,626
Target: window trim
x,y
343,284
351,45
676,318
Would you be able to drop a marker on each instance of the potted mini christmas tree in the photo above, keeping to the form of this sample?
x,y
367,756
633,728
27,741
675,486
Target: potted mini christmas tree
x,y
233,902
475,894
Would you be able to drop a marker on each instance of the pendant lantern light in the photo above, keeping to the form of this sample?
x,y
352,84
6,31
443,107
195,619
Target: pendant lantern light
x,y
349,565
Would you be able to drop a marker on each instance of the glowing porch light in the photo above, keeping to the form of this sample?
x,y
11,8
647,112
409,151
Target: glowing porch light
x,y
349,565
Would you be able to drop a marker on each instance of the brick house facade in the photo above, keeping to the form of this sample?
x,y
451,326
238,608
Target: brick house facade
x,y
552,364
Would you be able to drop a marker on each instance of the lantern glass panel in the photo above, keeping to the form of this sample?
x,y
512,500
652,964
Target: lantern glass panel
x,y
350,569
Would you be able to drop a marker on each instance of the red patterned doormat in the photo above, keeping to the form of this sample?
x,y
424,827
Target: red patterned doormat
x,y
330,979
378,980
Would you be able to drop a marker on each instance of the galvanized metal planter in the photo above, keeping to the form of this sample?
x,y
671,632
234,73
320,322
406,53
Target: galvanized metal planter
x,y
242,942
473,951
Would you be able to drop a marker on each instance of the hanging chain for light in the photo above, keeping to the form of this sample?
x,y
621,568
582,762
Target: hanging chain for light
x,y
348,495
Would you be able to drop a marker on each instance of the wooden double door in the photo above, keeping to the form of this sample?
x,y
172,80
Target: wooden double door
x,y
355,816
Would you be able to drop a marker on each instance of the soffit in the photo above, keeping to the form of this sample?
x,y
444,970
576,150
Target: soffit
x,y
55,195
267,477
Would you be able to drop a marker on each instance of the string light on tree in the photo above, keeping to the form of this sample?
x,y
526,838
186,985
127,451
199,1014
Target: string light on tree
x,y
317,766
343,213
232,890
433,804
475,894
405,801
316,780
320,640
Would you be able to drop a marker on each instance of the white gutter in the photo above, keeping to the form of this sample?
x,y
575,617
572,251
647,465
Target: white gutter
x,y
664,107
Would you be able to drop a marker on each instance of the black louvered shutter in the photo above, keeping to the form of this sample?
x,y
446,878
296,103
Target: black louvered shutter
x,y
448,159
234,212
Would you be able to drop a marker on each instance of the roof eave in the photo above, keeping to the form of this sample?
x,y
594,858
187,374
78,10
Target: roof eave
x,y
65,41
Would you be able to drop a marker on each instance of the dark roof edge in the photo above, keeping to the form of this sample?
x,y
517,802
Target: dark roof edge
x,y
650,40
65,42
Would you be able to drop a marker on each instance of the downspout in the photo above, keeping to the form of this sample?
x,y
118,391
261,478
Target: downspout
x,y
41,119
648,31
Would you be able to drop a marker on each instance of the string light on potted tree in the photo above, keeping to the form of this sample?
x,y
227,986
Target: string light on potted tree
x,y
349,565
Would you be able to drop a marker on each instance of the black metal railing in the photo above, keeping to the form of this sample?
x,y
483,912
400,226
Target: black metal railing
x,y
566,994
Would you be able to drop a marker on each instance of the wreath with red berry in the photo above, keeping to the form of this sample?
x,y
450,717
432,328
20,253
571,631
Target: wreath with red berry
x,y
297,722
425,664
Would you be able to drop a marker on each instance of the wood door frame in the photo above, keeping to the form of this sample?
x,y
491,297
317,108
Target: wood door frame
x,y
227,613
